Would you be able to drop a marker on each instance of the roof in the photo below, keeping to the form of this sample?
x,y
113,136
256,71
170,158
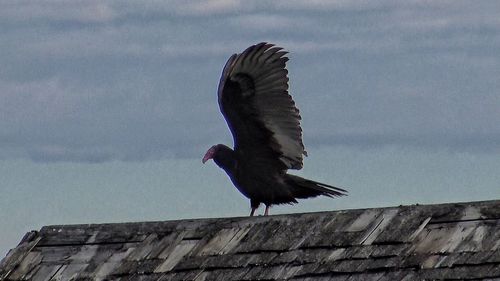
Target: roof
x,y
443,241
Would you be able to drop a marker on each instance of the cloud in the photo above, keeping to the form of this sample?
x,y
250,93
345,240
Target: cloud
x,y
329,5
54,153
136,81
210,7
267,22
57,10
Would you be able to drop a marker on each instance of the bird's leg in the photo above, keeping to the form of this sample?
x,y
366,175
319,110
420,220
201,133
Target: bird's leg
x,y
254,205
266,212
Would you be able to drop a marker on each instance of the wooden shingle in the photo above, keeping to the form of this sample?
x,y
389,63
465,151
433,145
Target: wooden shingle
x,y
418,242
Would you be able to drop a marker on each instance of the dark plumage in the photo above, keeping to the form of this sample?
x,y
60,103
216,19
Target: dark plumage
x,y
253,97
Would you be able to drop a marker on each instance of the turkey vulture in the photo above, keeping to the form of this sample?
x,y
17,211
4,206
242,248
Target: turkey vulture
x,y
253,97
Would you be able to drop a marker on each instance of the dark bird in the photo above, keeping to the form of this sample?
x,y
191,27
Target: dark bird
x,y
265,123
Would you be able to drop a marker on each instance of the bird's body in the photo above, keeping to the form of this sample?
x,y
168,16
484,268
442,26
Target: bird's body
x,y
253,97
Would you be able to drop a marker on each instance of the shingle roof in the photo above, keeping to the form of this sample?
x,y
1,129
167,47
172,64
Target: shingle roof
x,y
444,241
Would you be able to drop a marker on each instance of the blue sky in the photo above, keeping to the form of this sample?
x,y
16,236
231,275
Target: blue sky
x,y
106,108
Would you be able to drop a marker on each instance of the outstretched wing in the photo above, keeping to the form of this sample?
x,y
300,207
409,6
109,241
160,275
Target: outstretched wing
x,y
254,99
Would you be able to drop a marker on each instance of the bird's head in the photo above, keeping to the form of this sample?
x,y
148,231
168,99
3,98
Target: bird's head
x,y
210,154
222,155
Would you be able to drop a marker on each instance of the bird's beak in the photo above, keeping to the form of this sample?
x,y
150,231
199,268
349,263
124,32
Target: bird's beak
x,y
209,155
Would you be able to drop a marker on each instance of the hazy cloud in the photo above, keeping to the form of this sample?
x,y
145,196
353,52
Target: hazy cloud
x,y
97,81
57,10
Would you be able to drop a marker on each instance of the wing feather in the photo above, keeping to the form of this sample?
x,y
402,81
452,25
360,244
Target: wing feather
x,y
262,116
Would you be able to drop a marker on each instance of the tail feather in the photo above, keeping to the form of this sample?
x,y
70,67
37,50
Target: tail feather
x,y
304,188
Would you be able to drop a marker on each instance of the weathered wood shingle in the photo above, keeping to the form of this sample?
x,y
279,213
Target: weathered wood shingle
x,y
444,241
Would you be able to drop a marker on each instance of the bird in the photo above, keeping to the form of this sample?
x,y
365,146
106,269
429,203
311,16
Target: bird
x,y
265,124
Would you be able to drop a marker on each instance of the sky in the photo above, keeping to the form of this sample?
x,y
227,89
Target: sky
x,y
107,107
